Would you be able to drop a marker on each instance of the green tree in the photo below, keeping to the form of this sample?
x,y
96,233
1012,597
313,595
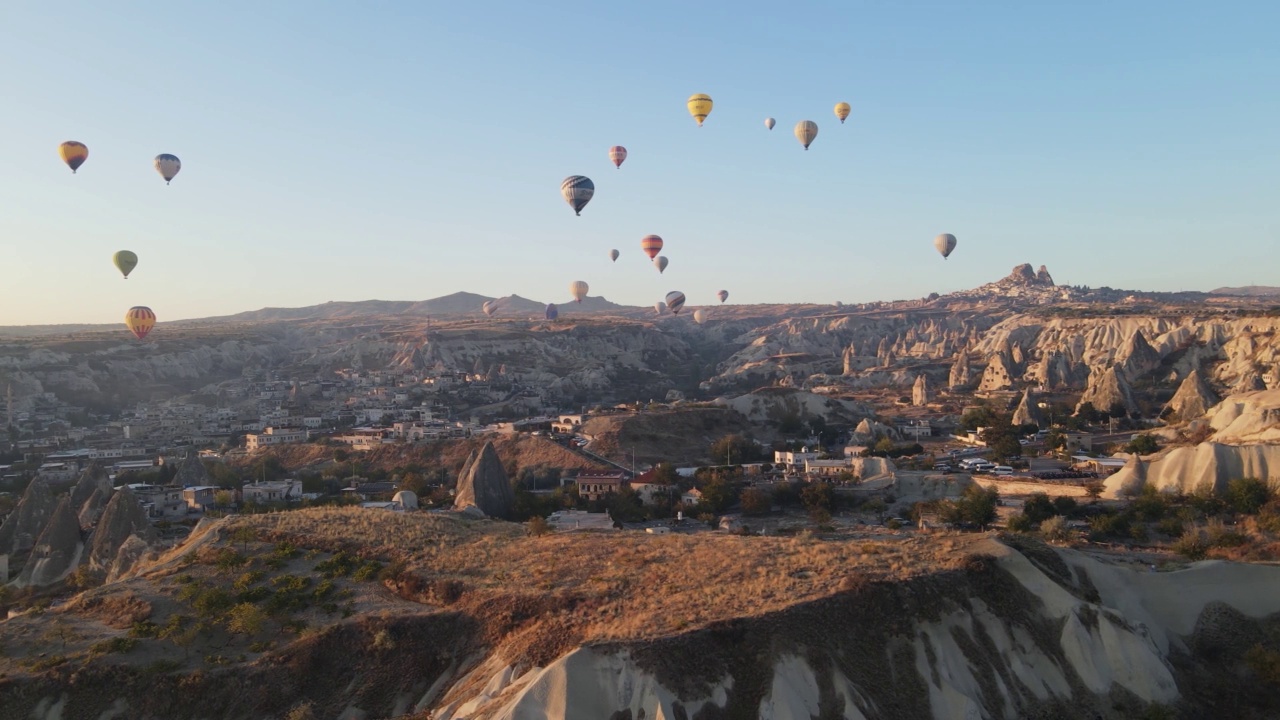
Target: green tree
x,y
1143,444
818,495
1247,495
246,619
734,450
1038,508
981,416
975,507
718,493
665,473
756,501
244,534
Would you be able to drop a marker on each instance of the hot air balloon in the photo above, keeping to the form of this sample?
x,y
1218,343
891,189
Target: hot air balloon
x,y
651,245
769,123
699,316
842,111
578,290
723,295
140,320
675,301
660,262
552,312
699,107
945,243
806,131
168,166
73,154
659,307
125,262
489,307
617,154
613,255
577,191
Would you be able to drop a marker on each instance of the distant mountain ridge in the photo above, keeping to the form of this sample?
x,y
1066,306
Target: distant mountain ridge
x,y
459,303
1248,291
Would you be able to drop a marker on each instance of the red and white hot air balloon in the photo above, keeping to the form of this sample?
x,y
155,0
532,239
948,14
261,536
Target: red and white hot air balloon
x,y
651,245
617,154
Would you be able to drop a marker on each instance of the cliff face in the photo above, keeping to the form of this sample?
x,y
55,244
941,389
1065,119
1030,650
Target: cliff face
x,y
1018,630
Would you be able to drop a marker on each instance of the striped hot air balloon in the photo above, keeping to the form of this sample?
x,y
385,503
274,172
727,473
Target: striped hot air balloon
x,y
578,290
675,301
699,107
617,154
651,245
577,190
806,131
168,166
140,320
73,154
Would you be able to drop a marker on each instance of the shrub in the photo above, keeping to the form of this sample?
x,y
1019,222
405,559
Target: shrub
x,y
1263,663
538,526
1247,495
1193,546
1171,526
340,565
1020,523
368,571
1064,505
1055,529
114,645
1223,537
245,581
1038,508
228,559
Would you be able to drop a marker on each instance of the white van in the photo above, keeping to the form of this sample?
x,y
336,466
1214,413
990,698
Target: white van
x,y
1002,470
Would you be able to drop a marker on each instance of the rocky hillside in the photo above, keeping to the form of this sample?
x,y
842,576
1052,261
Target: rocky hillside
x,y
472,619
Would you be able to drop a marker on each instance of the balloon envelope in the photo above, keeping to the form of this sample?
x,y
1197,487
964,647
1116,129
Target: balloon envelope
x,y
73,154
140,320
661,263
552,312
723,295
489,308
675,301
578,290
659,306
125,261
769,123
613,255
945,243
577,191
806,131
699,107
617,154
699,316
842,111
168,166
651,245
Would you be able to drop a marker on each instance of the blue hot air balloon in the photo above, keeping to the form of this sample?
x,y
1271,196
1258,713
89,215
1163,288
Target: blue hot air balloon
x,y
577,191
552,312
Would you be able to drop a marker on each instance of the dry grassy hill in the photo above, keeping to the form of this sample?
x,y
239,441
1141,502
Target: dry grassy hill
x,y
679,436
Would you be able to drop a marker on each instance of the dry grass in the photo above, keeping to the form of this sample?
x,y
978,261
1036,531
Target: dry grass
x,y
616,585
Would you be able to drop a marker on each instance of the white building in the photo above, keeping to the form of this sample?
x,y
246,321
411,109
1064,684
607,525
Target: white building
x,y
274,436
827,468
272,491
793,461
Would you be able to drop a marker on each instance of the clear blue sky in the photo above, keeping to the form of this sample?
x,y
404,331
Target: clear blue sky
x,y
402,151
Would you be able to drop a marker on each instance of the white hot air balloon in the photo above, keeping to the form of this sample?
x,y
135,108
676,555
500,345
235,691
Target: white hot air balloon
x,y
806,131
723,295
168,166
578,290
613,255
945,243
769,123
675,301
659,307
699,316
660,262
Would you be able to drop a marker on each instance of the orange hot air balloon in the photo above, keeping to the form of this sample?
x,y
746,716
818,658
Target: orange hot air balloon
x,y
651,245
73,154
140,320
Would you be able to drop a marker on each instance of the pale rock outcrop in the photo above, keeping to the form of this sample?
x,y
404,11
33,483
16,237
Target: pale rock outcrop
x,y
1107,390
998,375
123,517
130,555
1137,357
92,508
91,480
485,486
1193,399
1189,469
22,528
192,472
1028,412
1043,276
1055,371
961,373
869,430
1246,419
58,550
1249,382
920,391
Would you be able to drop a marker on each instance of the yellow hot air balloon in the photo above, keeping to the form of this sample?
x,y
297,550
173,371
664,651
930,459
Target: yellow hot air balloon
x,y
140,320
73,154
842,111
125,261
578,290
699,107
